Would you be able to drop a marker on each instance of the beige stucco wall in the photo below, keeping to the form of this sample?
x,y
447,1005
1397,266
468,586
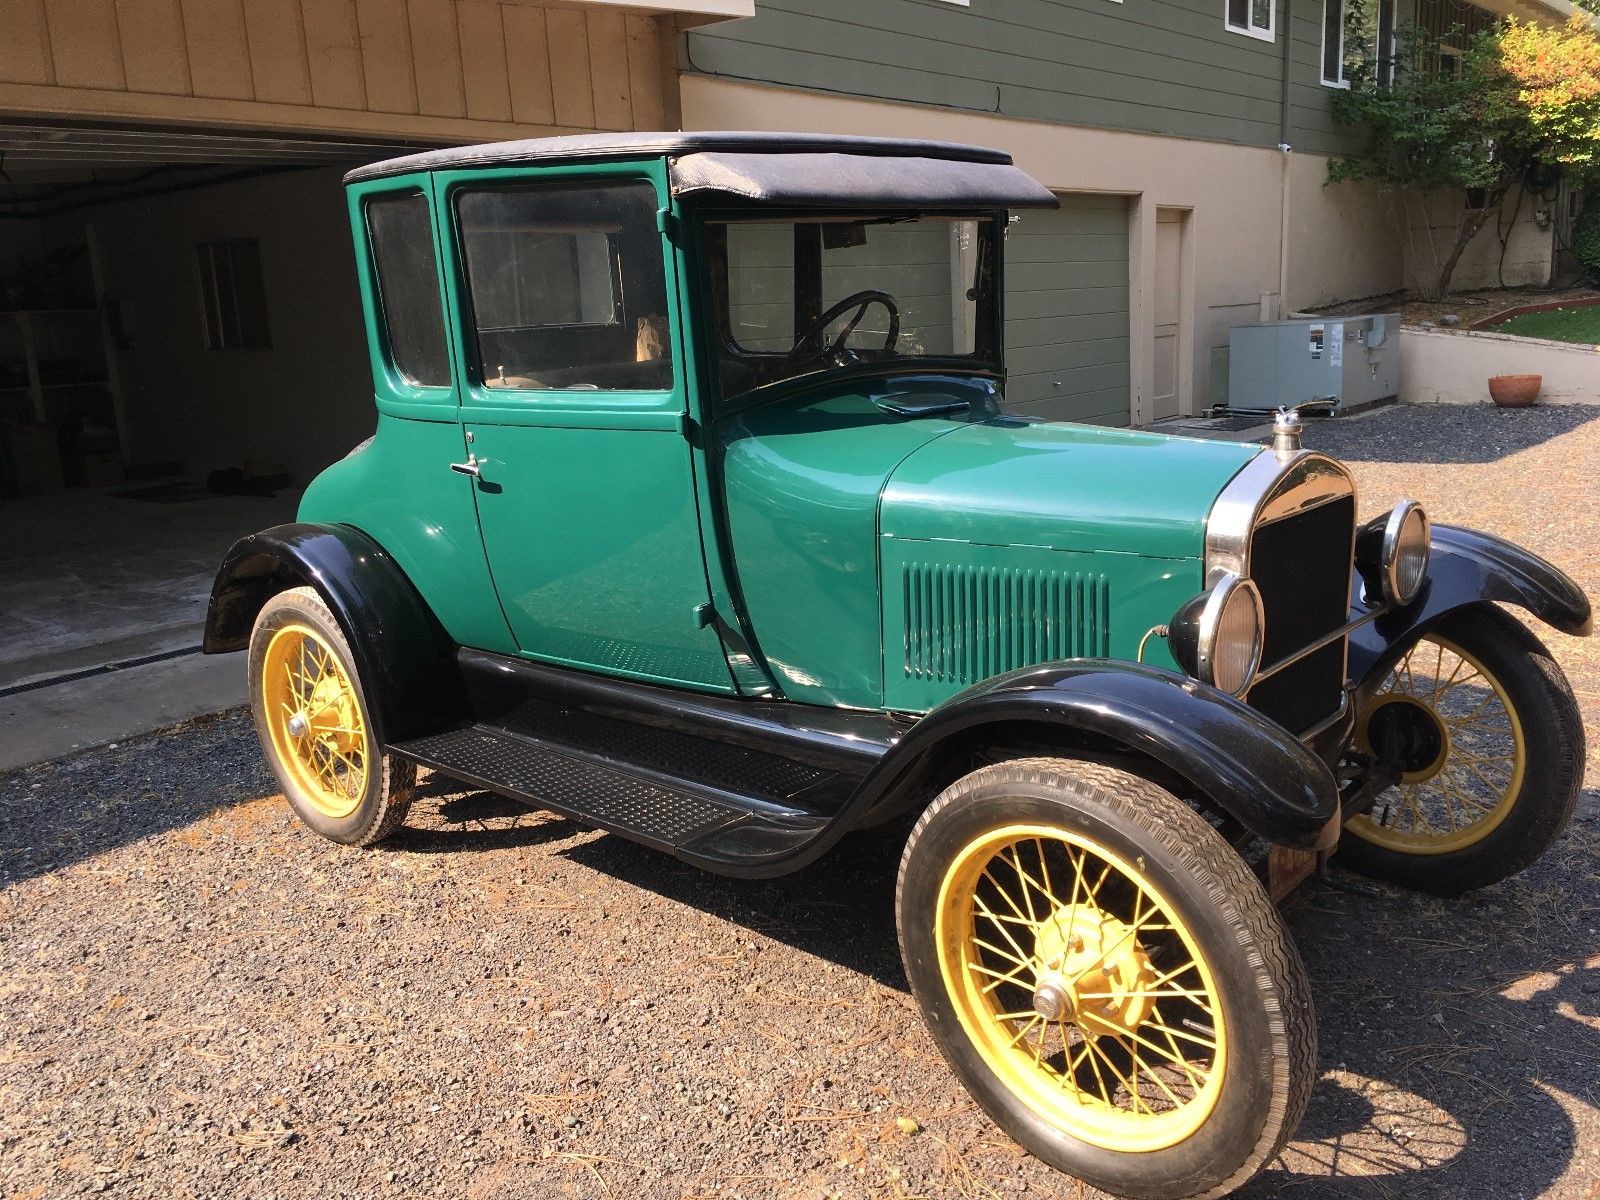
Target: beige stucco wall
x,y
1337,247
1453,367
300,404
1529,250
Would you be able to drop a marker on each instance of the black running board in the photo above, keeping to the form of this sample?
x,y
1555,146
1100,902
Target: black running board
x,y
706,826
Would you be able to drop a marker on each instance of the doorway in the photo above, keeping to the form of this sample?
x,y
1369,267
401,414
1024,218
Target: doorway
x,y
1170,382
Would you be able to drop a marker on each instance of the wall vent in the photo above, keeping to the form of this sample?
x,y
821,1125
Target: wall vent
x,y
963,623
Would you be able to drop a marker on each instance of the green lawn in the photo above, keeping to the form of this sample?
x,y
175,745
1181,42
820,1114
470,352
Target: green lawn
x,y
1561,325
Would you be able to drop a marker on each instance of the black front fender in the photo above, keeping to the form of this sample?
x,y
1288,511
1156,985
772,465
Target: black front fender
x,y
405,659
1468,567
1234,758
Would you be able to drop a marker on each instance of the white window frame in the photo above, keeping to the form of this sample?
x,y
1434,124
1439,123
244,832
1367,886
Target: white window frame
x,y
1250,29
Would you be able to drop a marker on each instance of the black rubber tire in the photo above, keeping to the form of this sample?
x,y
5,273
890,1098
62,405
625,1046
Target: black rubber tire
x,y
1553,728
390,785
1266,998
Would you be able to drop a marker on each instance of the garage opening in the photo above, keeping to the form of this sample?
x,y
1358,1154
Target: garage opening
x,y
181,350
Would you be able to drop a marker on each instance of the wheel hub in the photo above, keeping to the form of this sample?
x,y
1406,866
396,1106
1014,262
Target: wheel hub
x,y
1408,726
1092,971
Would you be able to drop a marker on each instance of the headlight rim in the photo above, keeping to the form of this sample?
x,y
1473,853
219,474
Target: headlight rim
x,y
1221,595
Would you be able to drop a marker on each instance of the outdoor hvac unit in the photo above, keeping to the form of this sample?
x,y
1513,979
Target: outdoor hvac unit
x,y
1328,363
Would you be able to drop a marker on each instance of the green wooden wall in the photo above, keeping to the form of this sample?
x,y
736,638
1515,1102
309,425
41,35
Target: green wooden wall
x,y
1153,66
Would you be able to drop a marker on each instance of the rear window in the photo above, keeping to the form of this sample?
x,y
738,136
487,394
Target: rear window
x,y
408,287
568,287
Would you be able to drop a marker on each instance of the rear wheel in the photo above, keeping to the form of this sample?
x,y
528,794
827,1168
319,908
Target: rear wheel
x,y
311,715
1107,977
1493,752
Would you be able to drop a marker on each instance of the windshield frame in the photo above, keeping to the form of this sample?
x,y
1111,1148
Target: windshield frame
x,y
717,342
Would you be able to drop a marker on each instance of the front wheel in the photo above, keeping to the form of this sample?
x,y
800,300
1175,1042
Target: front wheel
x,y
1107,977
1493,753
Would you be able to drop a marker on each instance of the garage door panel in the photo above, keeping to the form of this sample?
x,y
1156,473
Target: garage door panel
x,y
1109,406
1067,312
1051,331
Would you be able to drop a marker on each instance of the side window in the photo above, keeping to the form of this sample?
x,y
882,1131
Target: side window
x,y
568,287
408,287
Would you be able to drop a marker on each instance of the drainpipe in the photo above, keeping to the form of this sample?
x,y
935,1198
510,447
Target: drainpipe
x,y
1286,30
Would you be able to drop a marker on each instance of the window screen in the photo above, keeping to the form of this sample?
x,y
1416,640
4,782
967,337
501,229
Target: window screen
x,y
568,287
232,295
408,287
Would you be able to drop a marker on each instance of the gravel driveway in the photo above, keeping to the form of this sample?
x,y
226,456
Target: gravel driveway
x,y
201,999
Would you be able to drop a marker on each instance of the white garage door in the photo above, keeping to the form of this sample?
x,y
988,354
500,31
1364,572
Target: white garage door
x,y
1066,283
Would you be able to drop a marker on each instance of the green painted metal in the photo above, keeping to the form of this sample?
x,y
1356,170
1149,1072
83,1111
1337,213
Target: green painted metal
x,y
1062,487
586,499
398,487
802,479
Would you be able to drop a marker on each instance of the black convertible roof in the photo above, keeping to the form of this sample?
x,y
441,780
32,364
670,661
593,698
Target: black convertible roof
x,y
788,169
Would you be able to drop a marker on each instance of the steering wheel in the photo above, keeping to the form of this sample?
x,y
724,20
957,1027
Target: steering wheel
x,y
835,348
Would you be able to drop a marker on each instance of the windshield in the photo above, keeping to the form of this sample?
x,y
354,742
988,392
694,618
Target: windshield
x,y
793,297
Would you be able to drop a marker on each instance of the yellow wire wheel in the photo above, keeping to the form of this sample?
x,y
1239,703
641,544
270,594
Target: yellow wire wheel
x,y
310,708
1468,757
311,715
1081,987
1107,976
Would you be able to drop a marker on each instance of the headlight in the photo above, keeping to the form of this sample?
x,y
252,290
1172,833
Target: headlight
x,y
1216,637
1405,552
1392,553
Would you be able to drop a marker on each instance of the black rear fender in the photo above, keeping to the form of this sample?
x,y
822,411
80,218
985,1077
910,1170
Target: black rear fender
x,y
1198,741
405,659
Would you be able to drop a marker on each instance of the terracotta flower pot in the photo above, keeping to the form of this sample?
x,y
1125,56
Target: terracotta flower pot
x,y
1515,391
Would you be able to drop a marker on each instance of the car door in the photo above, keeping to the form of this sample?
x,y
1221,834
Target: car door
x,y
574,410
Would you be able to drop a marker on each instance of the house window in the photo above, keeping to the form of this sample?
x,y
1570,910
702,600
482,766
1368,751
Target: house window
x,y
1253,18
1357,36
233,298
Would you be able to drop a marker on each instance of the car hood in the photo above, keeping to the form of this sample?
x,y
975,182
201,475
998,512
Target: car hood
x,y
1012,481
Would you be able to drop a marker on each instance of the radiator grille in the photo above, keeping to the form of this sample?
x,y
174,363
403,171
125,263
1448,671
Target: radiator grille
x,y
965,623
1301,564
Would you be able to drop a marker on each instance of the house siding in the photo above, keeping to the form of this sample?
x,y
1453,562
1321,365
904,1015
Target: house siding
x,y
1154,66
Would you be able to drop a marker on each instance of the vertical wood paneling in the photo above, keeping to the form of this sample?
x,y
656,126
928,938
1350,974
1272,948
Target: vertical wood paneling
x,y
608,69
386,56
483,61
25,44
570,80
644,74
84,44
527,53
277,51
219,51
333,53
436,55
152,46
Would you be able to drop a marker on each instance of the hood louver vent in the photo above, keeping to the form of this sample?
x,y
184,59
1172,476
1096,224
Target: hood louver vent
x,y
963,623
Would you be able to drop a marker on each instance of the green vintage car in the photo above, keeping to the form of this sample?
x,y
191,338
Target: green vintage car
x,y
694,513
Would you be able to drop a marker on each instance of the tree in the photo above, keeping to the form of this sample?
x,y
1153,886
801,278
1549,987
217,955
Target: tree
x,y
1518,96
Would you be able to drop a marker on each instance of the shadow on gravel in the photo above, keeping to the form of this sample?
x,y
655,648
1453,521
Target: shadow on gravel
x,y
73,809
1444,433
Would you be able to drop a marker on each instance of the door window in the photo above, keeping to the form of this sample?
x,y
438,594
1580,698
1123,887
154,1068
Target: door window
x,y
568,287
408,287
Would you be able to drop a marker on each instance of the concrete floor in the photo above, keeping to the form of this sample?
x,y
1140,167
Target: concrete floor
x,y
88,579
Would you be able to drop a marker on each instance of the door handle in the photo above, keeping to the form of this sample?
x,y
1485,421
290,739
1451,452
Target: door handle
x,y
470,467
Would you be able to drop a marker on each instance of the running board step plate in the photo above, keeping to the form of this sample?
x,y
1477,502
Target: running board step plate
x,y
669,814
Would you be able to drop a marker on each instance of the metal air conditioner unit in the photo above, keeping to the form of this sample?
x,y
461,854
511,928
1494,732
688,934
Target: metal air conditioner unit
x,y
1333,364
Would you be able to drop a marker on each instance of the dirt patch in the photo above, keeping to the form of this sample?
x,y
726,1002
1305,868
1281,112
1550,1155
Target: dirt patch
x,y
1471,307
200,998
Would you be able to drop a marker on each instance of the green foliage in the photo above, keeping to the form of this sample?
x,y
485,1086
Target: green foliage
x,y
1586,237
1580,325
